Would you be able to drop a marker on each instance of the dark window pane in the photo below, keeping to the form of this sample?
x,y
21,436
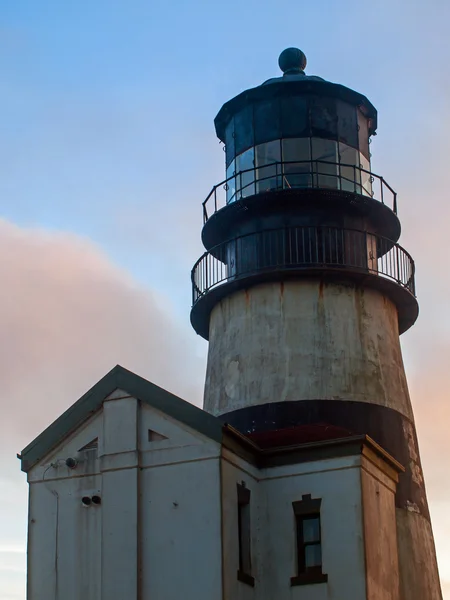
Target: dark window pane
x,y
245,180
243,129
297,174
311,530
231,183
324,151
363,134
323,117
313,556
296,149
265,154
294,117
245,564
347,125
267,121
269,177
229,142
244,533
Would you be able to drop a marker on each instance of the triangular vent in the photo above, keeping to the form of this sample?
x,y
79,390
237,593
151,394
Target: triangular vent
x,y
154,436
93,445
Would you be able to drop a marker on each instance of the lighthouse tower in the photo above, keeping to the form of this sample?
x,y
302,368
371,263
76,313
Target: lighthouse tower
x,y
303,289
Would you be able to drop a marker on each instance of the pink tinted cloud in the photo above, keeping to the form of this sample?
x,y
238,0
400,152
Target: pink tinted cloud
x,y
67,317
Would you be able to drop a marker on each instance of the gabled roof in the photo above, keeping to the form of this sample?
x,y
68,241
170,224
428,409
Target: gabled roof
x,y
285,446
91,402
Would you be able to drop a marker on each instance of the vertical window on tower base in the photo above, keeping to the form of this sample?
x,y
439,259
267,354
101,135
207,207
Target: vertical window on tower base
x,y
309,542
244,535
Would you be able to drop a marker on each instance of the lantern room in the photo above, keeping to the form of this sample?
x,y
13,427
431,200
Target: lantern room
x,y
296,131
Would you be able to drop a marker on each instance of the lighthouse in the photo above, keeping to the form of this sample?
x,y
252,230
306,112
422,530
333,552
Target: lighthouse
x,y
304,290
301,478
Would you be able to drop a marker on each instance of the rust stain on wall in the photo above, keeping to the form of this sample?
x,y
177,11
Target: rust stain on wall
x,y
321,289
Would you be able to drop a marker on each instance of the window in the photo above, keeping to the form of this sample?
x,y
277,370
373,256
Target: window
x,y
323,152
243,129
266,119
323,117
231,182
309,542
294,163
366,179
363,133
245,173
244,535
350,173
296,174
230,150
347,123
268,154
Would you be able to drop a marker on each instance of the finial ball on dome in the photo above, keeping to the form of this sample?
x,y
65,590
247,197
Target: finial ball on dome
x,y
292,60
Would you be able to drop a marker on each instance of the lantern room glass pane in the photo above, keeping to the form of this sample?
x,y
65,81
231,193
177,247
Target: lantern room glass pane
x,y
231,183
268,177
266,117
229,142
363,134
323,152
294,117
245,173
350,173
297,171
323,117
366,179
347,123
243,129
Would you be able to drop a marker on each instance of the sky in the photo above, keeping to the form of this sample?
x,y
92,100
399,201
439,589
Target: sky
x,y
107,150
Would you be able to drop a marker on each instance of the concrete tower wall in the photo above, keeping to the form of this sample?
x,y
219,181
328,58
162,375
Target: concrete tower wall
x,y
304,340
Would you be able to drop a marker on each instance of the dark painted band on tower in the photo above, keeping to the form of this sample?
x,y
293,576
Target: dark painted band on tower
x,y
392,430
296,207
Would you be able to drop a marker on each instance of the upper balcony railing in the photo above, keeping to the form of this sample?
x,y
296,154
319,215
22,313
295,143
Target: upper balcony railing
x,y
308,174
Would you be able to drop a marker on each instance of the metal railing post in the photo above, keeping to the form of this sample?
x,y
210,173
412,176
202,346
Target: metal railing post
x,y
398,264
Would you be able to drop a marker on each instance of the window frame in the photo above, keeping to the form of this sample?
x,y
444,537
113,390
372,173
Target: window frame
x,y
304,509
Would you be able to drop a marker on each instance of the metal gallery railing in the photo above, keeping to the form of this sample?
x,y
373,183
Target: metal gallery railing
x,y
316,174
302,248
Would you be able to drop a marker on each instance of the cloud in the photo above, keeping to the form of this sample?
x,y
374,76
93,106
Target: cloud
x,y
67,316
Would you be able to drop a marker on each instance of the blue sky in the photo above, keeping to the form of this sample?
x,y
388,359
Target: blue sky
x,y
107,149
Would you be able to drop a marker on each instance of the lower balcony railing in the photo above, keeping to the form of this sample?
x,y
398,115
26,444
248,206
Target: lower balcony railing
x,y
299,248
